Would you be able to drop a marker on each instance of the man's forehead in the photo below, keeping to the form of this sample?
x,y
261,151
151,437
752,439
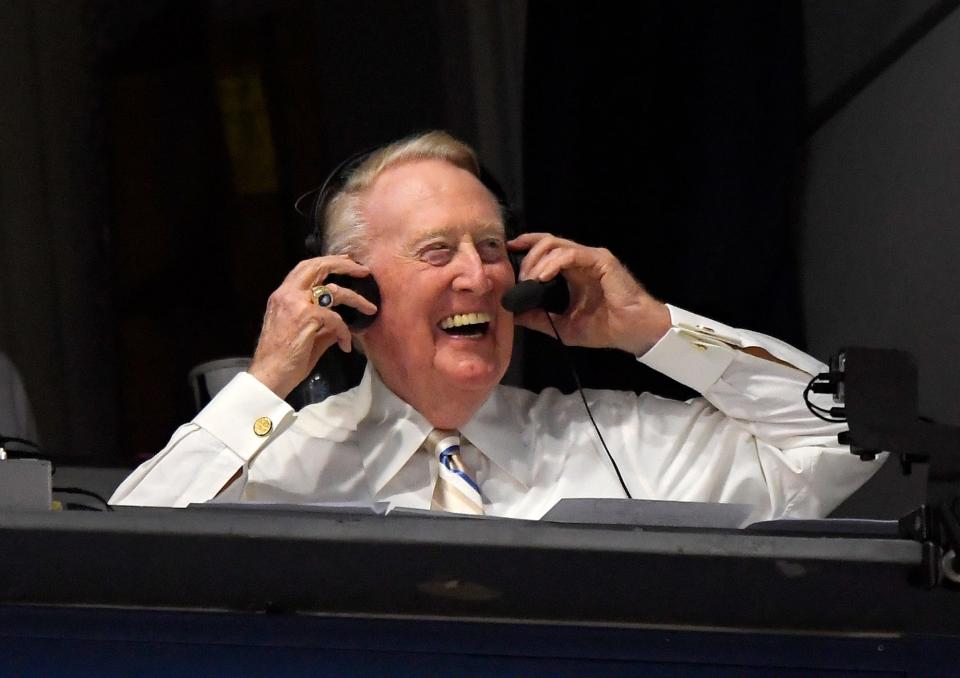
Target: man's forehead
x,y
426,195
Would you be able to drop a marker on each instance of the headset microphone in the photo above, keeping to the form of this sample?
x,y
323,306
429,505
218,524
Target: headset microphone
x,y
552,296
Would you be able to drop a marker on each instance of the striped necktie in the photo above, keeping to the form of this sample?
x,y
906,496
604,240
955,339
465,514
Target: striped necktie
x,y
455,490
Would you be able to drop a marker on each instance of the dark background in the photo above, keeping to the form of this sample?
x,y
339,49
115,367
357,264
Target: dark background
x,y
671,141
153,151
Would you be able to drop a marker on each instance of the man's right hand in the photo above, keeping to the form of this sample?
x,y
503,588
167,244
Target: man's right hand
x,y
296,331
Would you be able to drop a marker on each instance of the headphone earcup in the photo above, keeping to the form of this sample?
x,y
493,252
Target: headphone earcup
x,y
313,244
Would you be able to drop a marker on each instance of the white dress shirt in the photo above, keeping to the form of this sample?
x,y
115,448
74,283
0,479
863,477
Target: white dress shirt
x,y
749,439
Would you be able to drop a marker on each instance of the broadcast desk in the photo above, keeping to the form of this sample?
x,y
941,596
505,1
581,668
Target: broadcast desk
x,y
284,592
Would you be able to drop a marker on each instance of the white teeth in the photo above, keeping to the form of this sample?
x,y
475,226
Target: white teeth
x,y
461,319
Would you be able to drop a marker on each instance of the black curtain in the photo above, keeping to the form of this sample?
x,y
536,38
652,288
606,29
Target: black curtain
x,y
668,132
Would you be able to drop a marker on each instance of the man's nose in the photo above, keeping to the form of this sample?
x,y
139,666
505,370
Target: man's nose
x,y
471,274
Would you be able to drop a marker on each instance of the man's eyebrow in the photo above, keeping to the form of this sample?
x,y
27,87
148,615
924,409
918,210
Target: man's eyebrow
x,y
496,226
445,231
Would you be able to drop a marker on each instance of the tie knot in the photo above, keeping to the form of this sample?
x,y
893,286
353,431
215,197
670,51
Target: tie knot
x,y
456,491
443,442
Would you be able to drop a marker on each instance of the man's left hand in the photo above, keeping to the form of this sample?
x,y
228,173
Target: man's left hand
x,y
608,307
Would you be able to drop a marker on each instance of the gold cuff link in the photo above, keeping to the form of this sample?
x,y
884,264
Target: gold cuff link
x,y
262,426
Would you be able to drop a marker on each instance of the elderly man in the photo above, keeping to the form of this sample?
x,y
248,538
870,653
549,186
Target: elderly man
x,y
429,426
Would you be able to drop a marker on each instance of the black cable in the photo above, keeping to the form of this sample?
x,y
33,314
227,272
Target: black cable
x,y
24,454
810,386
820,412
86,493
22,441
816,410
576,379
73,506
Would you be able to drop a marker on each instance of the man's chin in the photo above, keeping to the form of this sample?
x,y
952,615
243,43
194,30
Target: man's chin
x,y
471,373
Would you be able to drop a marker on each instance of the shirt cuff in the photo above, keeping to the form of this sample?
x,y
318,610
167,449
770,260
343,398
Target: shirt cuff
x,y
692,352
244,415
696,350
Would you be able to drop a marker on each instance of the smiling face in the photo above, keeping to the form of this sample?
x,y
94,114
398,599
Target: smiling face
x,y
436,247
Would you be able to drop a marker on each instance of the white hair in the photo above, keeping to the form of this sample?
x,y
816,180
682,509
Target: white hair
x,y
344,228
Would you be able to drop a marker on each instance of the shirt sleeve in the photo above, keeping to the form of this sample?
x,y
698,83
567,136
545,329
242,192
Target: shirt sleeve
x,y
750,438
204,455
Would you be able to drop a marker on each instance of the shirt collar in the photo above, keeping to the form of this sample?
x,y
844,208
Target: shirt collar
x,y
498,432
392,431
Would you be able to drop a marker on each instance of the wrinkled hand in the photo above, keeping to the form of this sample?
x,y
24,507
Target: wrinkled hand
x,y
296,331
608,307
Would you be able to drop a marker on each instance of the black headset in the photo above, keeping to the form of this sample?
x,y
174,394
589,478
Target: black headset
x,y
318,199
553,296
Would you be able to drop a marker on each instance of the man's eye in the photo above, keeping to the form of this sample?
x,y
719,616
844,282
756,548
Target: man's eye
x,y
492,249
436,254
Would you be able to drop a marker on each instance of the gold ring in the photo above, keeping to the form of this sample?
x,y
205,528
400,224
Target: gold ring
x,y
322,295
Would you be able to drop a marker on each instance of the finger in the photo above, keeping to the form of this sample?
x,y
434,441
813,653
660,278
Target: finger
x,y
286,304
303,270
344,296
523,244
540,245
525,241
566,260
544,247
323,335
334,324
325,325
345,265
309,272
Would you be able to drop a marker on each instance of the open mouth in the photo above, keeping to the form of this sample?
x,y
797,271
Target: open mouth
x,y
466,324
